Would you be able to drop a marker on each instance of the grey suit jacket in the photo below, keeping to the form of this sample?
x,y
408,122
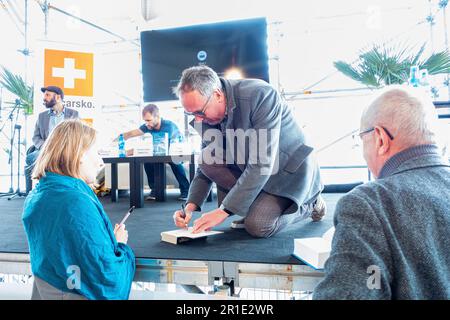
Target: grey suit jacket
x,y
290,169
41,129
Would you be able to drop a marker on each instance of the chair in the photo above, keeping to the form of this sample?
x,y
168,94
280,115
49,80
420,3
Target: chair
x,y
28,180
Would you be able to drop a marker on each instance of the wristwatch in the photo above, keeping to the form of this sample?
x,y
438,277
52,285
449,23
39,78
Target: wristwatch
x,y
226,210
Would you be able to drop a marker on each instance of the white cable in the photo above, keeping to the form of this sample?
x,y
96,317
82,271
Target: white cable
x,y
14,11
11,17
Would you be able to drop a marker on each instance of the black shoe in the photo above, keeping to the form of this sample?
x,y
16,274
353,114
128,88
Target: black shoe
x,y
238,224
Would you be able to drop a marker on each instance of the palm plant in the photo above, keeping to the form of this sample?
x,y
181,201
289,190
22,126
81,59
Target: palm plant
x,y
17,86
382,65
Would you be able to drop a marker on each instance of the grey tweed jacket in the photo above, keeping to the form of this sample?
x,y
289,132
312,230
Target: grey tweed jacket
x,y
392,238
292,170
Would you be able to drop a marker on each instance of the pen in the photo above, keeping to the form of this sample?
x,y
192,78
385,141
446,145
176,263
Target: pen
x,y
183,212
127,215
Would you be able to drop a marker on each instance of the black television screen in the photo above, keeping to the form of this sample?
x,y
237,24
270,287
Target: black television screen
x,y
235,44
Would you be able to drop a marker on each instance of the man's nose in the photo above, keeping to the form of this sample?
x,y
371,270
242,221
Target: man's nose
x,y
198,118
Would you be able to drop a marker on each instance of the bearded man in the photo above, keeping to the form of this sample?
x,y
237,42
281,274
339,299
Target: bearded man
x,y
47,121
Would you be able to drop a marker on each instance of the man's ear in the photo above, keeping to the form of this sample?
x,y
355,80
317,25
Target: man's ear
x,y
218,94
383,143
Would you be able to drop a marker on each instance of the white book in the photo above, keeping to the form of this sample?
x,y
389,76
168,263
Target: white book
x,y
182,235
314,251
143,151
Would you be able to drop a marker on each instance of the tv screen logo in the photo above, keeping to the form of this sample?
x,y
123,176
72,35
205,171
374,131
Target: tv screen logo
x,y
202,55
72,71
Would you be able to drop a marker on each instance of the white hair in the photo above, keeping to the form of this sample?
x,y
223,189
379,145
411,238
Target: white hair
x,y
408,114
201,78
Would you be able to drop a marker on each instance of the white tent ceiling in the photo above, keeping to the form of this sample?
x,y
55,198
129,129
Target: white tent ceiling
x,y
315,33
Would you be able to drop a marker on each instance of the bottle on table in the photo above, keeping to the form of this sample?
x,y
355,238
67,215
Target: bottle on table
x,y
414,79
425,81
122,152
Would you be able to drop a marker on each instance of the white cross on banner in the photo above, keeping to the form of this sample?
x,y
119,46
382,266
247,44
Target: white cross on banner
x,y
69,73
72,69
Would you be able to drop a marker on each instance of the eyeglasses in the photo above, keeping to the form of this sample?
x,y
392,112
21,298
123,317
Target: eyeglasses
x,y
202,112
358,136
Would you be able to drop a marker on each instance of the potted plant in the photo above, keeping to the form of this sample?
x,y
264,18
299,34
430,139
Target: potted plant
x,y
17,86
383,65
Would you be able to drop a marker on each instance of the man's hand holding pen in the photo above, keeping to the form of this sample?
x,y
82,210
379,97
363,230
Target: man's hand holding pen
x,y
204,223
183,217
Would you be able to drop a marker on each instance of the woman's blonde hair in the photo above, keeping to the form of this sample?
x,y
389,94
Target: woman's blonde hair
x,y
63,149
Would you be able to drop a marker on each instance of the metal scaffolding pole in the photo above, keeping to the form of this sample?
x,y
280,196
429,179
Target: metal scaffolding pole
x,y
10,15
26,52
443,5
430,20
45,8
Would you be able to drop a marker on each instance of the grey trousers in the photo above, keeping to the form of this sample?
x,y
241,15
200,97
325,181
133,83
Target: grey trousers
x,y
44,291
266,215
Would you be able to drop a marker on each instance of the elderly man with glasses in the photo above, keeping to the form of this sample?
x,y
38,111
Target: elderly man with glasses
x,y
392,234
271,188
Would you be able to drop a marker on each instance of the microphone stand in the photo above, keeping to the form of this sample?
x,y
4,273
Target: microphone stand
x,y
11,193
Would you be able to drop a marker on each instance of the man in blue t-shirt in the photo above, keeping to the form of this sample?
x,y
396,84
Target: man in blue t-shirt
x,y
158,127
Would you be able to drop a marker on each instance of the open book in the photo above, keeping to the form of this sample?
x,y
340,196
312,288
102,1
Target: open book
x,y
182,235
314,251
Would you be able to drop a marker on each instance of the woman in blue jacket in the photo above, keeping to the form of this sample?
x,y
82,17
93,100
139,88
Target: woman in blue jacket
x,y
74,251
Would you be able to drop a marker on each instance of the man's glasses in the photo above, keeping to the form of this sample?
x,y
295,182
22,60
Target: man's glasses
x,y
358,136
199,113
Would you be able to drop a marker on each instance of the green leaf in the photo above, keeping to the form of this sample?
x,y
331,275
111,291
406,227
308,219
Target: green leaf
x,y
17,86
348,70
437,63
383,65
415,60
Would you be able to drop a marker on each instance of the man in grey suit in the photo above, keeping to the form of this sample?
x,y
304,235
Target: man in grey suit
x,y
254,151
392,234
47,121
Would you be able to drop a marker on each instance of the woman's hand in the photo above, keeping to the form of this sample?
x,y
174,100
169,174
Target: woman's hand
x,y
121,234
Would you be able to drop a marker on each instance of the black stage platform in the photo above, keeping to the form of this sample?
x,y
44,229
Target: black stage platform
x,y
146,224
